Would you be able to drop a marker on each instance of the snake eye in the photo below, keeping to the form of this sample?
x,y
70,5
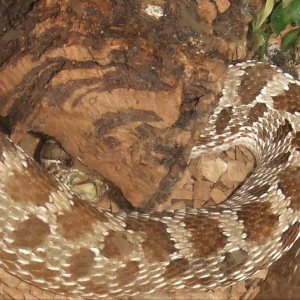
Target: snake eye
x,y
293,24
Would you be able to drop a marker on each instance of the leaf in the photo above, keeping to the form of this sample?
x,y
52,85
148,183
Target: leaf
x,y
290,39
282,16
261,43
263,14
285,3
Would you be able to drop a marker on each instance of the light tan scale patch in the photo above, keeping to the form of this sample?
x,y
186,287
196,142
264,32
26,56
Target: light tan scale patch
x,y
40,270
290,235
9,259
79,221
30,233
96,285
31,185
65,289
5,146
157,244
128,273
207,237
2,158
253,81
288,100
81,262
223,119
289,184
117,245
259,221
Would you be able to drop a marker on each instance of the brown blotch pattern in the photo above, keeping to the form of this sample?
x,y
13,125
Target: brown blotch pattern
x,y
282,131
30,233
258,191
233,261
73,225
288,100
203,140
157,245
116,245
235,128
81,263
256,112
263,131
31,185
289,180
280,159
128,273
296,141
176,268
160,214
223,119
190,282
259,222
290,235
207,237
253,81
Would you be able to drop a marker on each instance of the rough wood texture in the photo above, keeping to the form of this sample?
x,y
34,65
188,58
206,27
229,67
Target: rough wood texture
x,y
115,83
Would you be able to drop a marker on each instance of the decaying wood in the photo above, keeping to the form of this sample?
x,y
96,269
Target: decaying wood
x,y
118,85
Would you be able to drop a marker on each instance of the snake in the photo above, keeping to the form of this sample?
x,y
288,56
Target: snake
x,y
53,239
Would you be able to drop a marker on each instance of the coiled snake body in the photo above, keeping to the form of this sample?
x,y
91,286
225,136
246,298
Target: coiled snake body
x,y
61,243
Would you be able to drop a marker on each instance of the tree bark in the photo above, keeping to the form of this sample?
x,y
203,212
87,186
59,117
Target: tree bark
x,y
121,84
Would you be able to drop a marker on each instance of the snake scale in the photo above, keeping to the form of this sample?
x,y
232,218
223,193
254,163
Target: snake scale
x,y
56,241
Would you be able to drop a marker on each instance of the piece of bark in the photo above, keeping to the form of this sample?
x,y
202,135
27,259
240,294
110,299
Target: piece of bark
x,y
237,170
217,195
212,167
116,94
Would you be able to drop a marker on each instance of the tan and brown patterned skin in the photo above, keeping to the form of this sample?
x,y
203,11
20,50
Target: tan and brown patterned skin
x,y
61,243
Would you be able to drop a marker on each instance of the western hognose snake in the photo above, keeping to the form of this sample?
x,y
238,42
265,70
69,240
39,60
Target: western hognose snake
x,y
61,243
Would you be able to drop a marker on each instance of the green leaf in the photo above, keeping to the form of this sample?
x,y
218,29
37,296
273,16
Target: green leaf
x,y
284,15
290,40
285,3
261,43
